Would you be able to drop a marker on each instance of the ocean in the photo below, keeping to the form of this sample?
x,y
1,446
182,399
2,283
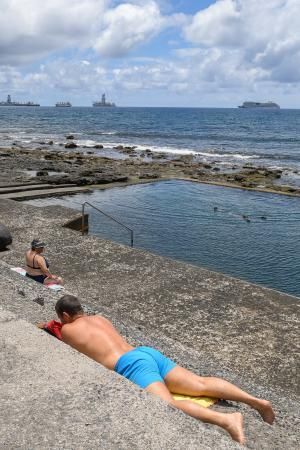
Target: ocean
x,y
228,137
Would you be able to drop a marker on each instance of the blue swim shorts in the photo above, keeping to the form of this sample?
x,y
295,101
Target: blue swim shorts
x,y
144,366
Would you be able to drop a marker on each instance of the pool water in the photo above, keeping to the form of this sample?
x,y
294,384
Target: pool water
x,y
250,235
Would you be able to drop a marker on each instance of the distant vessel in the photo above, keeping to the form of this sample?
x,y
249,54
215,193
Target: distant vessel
x,y
259,105
103,102
63,104
10,103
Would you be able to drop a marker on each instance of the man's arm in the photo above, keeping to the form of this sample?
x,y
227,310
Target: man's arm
x,y
53,327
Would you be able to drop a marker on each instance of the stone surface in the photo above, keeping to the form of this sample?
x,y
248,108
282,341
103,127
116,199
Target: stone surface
x,y
5,237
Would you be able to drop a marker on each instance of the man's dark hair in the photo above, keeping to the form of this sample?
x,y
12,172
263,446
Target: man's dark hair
x,y
68,304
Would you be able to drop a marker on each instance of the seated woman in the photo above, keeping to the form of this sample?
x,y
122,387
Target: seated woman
x,y
37,266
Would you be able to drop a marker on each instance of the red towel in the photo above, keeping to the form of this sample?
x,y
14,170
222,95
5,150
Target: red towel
x,y
53,327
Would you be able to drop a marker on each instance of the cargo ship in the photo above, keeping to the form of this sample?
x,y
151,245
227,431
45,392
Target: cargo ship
x,y
9,102
63,104
259,105
103,102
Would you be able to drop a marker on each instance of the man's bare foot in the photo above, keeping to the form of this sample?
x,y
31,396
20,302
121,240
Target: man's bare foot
x,y
234,425
265,410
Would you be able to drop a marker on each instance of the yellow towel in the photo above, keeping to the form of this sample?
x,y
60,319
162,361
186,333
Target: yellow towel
x,y
202,401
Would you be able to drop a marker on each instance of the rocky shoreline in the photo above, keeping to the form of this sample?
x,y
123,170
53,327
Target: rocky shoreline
x,y
82,166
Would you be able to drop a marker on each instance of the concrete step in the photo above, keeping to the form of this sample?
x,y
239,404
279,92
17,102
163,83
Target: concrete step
x,y
40,193
31,183
31,187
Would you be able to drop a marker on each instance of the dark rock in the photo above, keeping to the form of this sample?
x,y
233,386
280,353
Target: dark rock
x,y
50,143
42,173
98,146
70,136
216,169
207,166
106,178
129,150
160,155
249,184
239,177
119,147
149,175
70,145
87,173
5,237
49,168
187,158
39,300
50,156
120,178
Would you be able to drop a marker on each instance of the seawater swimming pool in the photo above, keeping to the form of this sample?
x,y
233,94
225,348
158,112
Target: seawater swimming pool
x,y
250,235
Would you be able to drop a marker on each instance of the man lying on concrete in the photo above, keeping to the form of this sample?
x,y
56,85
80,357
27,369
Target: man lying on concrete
x,y
96,337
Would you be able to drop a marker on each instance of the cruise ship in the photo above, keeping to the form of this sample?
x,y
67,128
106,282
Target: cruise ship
x,y
9,102
63,104
103,102
259,105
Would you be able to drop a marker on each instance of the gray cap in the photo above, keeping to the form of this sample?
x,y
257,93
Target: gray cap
x,y
36,243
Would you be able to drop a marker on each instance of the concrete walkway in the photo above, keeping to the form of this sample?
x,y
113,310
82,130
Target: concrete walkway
x,y
210,323
27,192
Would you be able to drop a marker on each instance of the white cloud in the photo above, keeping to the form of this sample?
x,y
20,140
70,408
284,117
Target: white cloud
x,y
126,26
252,35
233,49
30,29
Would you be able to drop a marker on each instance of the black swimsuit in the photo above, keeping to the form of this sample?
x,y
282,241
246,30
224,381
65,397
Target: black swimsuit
x,y
38,278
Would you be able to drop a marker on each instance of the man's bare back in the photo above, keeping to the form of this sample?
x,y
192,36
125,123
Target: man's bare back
x,y
96,337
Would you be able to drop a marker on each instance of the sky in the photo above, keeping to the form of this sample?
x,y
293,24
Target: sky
x,y
189,53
